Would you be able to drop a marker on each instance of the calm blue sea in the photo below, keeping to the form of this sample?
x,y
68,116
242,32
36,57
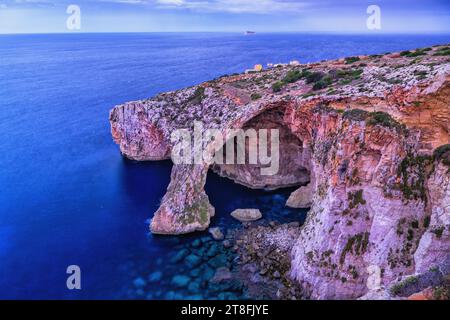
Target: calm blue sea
x,y
67,196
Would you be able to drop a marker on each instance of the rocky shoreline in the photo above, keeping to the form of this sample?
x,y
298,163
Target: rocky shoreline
x,y
368,135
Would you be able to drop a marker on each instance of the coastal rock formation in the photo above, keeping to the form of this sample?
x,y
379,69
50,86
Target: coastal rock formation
x,y
369,136
246,215
185,208
301,198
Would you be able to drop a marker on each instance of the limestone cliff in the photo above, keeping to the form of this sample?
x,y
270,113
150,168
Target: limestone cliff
x,y
370,135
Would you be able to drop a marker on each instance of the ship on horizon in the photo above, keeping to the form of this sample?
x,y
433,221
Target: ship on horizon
x,y
247,33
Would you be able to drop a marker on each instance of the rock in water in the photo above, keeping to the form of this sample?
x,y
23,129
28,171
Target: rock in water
x,y
301,198
180,281
180,255
246,215
155,276
192,260
216,233
222,274
139,282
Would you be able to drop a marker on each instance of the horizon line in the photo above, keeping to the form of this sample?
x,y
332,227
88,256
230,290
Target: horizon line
x,y
231,32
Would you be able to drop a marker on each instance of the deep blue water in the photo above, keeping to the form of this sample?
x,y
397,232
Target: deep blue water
x,y
66,195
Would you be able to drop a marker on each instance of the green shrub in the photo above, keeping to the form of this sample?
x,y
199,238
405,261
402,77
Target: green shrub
x,y
397,288
198,95
442,153
347,75
420,73
385,120
426,221
416,54
445,51
350,60
277,86
356,244
292,76
438,232
323,83
356,114
356,198
413,188
314,77
255,96
410,235
441,293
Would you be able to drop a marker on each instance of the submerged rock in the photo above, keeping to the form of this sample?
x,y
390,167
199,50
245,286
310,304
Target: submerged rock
x,y
196,243
207,273
155,276
219,261
216,233
139,282
194,286
227,244
192,260
222,274
180,280
179,256
246,215
195,272
212,251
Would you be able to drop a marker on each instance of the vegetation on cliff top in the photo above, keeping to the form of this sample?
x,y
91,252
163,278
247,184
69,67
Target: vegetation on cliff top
x,y
198,95
375,118
444,51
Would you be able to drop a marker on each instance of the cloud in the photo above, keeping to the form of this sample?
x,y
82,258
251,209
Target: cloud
x,y
25,3
234,6
229,6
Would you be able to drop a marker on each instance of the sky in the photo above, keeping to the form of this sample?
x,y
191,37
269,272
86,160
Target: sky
x,y
326,16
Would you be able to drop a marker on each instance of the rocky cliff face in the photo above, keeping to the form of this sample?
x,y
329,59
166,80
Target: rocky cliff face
x,y
369,134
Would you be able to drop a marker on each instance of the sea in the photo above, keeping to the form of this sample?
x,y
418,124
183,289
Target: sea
x,y
68,197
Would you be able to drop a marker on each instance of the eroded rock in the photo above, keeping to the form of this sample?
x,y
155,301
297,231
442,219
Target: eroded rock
x,y
247,215
216,233
301,198
364,142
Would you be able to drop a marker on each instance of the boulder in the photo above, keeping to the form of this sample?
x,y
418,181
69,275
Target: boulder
x,y
180,281
139,282
301,198
222,274
246,215
179,256
155,276
193,260
216,233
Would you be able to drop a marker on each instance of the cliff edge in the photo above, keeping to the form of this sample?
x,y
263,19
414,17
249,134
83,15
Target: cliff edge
x,y
368,135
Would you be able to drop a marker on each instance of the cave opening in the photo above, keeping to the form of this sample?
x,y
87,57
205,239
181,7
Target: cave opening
x,y
248,188
294,161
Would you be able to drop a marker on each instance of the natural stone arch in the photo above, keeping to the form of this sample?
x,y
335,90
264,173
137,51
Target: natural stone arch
x,y
293,161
